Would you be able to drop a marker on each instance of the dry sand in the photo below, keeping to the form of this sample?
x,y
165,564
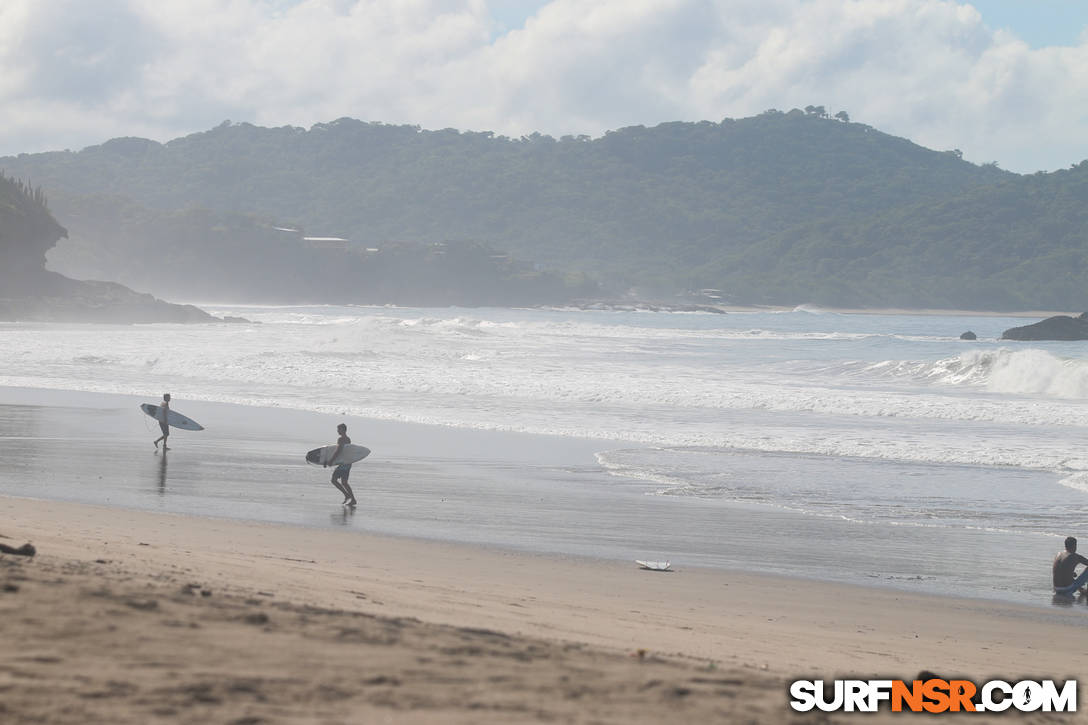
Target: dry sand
x,y
137,617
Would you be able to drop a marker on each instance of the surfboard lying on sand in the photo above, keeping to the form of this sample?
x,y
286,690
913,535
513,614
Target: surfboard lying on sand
x,y
173,418
654,565
350,454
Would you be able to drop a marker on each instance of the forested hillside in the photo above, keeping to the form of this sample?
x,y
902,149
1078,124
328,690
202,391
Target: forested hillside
x,y
781,208
203,255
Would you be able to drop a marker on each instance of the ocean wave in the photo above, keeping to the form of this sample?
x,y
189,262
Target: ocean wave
x,y
1077,481
847,394
1004,370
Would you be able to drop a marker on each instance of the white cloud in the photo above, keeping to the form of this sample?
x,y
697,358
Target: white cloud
x,y
74,73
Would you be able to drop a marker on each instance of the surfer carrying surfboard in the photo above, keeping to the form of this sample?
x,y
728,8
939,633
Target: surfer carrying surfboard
x,y
164,412
342,471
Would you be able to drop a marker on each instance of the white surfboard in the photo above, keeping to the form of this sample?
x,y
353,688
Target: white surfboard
x,y
654,565
350,454
173,418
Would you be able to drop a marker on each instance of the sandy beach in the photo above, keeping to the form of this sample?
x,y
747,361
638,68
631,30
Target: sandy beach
x,y
220,589
133,617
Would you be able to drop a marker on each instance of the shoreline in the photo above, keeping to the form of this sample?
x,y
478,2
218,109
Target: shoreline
x,y
513,492
660,306
900,311
114,586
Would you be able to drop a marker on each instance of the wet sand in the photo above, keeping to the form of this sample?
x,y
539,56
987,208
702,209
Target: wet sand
x,y
132,615
136,617
542,494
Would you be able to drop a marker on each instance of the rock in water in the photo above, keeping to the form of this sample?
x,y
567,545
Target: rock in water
x,y
1059,327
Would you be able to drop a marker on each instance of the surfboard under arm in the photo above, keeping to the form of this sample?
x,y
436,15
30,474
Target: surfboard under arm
x,y
351,454
173,418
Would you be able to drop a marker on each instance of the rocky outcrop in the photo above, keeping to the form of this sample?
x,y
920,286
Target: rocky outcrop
x,y
1059,327
27,232
968,336
29,292
69,300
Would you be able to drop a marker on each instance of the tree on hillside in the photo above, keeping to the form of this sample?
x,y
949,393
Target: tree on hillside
x,y
27,229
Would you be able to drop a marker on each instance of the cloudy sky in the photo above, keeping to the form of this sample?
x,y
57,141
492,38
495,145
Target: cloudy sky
x,y
1003,80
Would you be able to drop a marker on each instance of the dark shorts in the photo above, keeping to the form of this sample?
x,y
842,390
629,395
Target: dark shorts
x,y
342,471
165,428
1072,587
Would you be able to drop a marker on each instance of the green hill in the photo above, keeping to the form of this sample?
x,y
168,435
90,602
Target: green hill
x,y
780,208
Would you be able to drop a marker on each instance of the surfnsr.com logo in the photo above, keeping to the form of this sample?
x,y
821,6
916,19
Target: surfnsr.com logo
x,y
933,695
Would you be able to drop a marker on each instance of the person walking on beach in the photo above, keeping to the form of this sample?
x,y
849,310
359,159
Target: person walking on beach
x,y
342,471
1065,564
164,411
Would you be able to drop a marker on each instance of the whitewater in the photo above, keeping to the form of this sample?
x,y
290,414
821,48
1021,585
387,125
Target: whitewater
x,y
887,420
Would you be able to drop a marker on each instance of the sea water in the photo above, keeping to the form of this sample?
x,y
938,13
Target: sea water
x,y
861,447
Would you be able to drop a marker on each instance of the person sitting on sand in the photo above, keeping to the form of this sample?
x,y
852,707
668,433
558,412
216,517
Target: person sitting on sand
x,y
341,472
1065,564
164,410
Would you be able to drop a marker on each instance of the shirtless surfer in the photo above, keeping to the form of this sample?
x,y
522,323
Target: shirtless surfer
x,y
1065,564
164,411
342,471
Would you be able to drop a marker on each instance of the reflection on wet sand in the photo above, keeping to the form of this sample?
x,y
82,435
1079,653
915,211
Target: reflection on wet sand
x,y
21,435
162,474
343,517
19,421
1067,600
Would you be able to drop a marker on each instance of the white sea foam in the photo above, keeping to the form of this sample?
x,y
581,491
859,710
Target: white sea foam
x,y
830,385
1077,481
811,309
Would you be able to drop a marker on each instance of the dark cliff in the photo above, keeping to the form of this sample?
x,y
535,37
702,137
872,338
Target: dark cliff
x,y
28,291
27,232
